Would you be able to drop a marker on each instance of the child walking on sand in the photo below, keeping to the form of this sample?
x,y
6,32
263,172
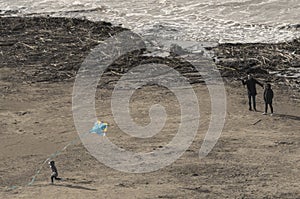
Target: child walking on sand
x,y
268,97
54,172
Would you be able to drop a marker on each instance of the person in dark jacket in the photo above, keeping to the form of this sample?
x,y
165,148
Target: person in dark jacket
x,y
268,98
251,87
54,174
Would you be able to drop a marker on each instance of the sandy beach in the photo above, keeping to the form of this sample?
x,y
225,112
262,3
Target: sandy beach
x,y
257,156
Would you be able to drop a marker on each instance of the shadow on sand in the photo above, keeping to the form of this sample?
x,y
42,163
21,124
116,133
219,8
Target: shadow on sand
x,y
74,187
291,117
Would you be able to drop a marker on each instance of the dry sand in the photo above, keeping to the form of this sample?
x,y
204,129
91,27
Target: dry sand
x,y
257,156
249,161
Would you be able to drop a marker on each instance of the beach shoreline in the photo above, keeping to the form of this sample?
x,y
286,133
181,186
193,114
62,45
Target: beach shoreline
x,y
25,38
256,156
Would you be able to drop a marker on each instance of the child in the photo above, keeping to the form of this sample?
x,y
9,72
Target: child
x,y
54,171
268,97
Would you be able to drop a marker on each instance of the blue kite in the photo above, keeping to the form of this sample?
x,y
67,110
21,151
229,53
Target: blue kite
x,y
99,128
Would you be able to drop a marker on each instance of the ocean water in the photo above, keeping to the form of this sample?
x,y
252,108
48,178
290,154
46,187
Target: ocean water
x,y
221,21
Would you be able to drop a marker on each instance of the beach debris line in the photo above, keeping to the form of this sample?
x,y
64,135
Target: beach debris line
x,y
278,63
49,49
53,48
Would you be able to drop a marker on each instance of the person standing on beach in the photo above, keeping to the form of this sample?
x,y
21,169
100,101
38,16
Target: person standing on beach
x,y
268,97
54,172
251,87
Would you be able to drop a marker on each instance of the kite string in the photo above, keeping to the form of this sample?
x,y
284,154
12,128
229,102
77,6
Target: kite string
x,y
53,155
97,128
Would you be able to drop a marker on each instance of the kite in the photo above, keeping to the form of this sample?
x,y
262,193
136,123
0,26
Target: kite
x,y
99,128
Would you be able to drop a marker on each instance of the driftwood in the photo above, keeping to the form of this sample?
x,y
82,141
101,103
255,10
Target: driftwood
x,y
271,62
44,49
53,49
267,56
256,122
